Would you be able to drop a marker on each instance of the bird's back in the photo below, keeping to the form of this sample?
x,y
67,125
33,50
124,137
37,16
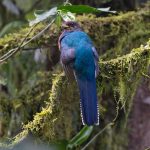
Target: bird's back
x,y
84,59
77,49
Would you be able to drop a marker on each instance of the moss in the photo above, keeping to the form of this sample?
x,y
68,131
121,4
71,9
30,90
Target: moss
x,y
57,114
30,100
114,34
57,102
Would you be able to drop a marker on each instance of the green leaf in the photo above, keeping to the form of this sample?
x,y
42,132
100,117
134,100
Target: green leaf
x,y
81,137
78,9
66,12
83,9
58,21
58,145
43,16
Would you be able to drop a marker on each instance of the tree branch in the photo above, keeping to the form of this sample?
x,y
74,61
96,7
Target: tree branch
x,y
14,51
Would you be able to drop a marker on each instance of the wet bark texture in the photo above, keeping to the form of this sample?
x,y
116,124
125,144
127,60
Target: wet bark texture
x,y
139,137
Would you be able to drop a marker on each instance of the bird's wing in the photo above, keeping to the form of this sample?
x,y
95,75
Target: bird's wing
x,y
69,72
67,58
67,55
96,59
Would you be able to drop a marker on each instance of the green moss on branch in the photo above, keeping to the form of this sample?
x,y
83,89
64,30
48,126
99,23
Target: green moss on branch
x,y
119,75
51,116
122,65
117,34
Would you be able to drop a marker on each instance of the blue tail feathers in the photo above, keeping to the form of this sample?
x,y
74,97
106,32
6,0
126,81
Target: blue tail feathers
x,y
88,101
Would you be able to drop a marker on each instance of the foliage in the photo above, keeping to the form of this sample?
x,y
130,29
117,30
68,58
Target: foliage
x,y
119,77
129,30
111,69
65,11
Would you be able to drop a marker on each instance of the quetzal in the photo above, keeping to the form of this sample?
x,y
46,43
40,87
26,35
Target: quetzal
x,y
79,58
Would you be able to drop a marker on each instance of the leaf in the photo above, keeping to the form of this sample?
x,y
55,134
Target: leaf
x,y
78,8
106,10
58,145
67,16
81,137
83,9
58,21
66,12
41,17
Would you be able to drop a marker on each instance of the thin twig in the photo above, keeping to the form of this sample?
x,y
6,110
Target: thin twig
x,y
7,53
145,75
100,132
13,51
39,34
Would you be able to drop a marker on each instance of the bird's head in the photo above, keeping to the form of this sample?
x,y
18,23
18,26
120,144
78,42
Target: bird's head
x,y
70,25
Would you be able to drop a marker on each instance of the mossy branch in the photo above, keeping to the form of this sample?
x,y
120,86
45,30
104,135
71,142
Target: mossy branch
x,y
117,27
111,68
122,65
124,29
39,118
36,124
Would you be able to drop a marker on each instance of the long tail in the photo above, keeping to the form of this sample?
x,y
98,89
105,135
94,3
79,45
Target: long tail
x,y
88,103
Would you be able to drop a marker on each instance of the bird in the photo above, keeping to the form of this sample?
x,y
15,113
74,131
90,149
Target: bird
x,y
79,59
